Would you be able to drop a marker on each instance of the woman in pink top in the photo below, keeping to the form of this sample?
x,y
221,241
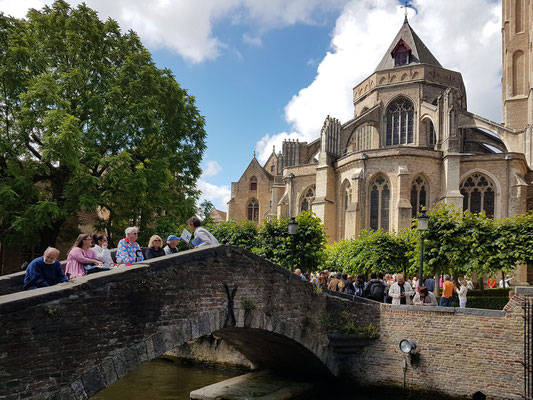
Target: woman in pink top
x,y
79,255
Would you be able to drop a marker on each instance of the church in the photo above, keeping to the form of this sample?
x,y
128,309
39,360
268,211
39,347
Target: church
x,y
411,143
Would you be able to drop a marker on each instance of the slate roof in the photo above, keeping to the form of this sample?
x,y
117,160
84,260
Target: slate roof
x,y
420,54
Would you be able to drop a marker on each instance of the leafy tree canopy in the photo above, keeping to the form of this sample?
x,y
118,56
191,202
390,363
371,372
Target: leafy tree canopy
x,y
88,122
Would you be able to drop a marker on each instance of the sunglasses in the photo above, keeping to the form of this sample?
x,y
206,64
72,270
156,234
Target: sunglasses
x,y
157,240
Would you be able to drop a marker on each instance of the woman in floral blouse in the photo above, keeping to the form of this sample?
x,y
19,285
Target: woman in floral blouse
x,y
128,250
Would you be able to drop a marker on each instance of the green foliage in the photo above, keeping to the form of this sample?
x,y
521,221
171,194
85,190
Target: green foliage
x,y
371,251
87,120
455,243
496,292
307,244
272,240
488,303
243,234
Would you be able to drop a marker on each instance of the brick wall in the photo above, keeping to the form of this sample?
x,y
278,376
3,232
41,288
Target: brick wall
x,y
461,351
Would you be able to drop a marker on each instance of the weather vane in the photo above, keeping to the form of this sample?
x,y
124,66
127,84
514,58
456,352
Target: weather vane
x,y
408,4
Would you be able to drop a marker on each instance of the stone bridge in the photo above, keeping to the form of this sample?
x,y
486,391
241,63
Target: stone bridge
x,y
74,339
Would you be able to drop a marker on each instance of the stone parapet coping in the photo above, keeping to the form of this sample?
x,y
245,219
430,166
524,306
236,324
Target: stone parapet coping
x,y
449,310
524,290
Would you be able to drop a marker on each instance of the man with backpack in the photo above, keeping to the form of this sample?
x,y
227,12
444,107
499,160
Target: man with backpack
x,y
375,289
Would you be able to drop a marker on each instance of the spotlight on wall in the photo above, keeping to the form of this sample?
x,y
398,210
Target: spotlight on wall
x,y
407,347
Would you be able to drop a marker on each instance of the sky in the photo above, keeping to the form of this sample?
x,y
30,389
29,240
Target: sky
x,y
262,71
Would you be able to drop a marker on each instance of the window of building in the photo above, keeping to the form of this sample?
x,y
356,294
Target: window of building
x,y
419,196
379,203
307,199
272,169
400,116
253,210
430,129
479,193
253,183
361,139
401,54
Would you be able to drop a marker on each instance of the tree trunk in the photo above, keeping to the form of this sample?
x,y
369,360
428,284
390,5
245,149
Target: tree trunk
x,y
48,235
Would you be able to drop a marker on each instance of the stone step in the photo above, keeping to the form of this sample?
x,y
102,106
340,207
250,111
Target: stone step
x,y
260,385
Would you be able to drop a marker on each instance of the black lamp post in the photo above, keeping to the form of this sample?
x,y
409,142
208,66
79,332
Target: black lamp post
x,y
293,228
423,220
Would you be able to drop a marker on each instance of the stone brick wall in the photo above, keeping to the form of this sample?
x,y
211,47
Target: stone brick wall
x,y
461,351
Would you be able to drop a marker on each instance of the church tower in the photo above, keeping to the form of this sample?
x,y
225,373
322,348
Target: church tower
x,y
517,68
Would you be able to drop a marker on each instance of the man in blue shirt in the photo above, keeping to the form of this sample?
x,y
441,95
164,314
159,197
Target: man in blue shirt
x,y
44,271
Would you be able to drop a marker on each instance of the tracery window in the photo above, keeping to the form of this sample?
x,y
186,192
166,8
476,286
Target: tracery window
x,y
307,199
479,194
361,138
419,196
379,203
253,183
253,210
400,115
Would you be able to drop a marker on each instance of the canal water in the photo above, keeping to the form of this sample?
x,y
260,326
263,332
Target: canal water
x,y
162,379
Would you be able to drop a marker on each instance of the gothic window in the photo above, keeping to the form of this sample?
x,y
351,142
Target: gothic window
x,y
307,199
253,210
400,116
430,129
272,169
419,196
361,138
379,203
479,193
253,183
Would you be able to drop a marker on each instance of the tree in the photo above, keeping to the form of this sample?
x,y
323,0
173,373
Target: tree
x,y
87,121
308,246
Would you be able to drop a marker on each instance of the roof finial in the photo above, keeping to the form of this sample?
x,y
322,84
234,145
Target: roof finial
x,y
254,153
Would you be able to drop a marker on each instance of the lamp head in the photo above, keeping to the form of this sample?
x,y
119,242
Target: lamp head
x,y
423,221
293,226
407,347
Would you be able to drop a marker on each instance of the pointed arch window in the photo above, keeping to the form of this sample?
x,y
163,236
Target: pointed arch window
x,y
308,198
361,139
253,183
400,115
419,196
430,129
253,210
478,194
379,203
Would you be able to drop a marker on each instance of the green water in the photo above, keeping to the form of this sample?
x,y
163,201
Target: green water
x,y
163,380
166,380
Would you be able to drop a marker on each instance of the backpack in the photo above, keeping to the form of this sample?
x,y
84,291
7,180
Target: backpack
x,y
377,291
349,288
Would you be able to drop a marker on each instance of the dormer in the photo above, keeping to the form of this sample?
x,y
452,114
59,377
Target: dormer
x,y
401,54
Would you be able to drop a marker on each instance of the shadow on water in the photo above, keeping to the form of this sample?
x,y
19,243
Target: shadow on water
x,y
163,379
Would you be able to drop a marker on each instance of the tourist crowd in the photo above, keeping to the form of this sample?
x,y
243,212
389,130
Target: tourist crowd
x,y
89,254
394,289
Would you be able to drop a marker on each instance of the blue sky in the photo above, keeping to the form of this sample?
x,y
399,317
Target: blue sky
x,y
266,70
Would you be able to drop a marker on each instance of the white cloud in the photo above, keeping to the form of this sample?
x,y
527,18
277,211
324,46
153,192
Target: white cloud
x,y
264,147
212,168
252,40
19,8
464,36
186,26
218,195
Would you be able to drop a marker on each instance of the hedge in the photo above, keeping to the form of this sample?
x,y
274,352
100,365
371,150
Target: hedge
x,y
496,292
486,302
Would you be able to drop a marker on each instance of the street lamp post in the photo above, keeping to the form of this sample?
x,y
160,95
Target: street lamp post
x,y
293,228
423,220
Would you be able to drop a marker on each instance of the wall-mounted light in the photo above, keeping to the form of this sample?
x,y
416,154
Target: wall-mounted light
x,y
407,347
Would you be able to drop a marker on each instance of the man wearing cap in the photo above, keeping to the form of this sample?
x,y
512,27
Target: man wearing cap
x,y
44,271
172,242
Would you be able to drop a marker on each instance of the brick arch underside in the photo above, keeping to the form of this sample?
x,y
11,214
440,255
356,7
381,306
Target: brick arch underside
x,y
261,339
